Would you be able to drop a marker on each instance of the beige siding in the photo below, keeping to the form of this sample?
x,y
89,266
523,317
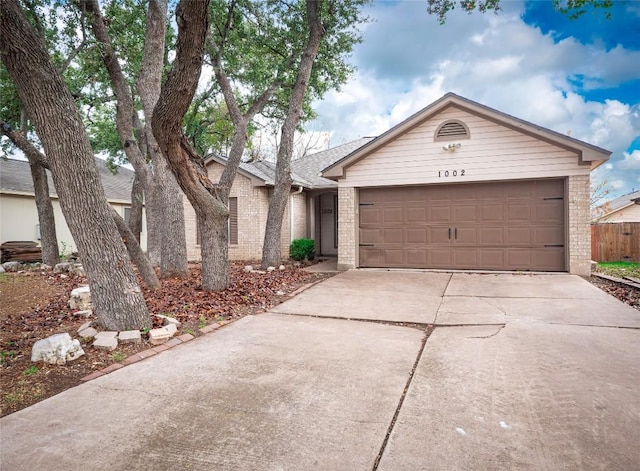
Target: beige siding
x,y
493,152
628,214
19,218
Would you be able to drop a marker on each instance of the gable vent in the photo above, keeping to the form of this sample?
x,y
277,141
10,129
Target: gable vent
x,y
452,130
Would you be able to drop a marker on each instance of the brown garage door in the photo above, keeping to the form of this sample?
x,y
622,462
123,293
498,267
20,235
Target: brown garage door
x,y
496,226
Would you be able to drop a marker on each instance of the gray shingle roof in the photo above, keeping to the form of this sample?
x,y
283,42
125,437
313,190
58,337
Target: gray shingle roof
x,y
621,202
311,166
15,175
262,170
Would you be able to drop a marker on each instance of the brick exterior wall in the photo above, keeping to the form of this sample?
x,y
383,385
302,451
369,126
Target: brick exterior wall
x,y
253,207
347,227
579,228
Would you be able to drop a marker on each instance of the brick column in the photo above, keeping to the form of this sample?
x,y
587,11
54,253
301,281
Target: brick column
x,y
579,243
347,227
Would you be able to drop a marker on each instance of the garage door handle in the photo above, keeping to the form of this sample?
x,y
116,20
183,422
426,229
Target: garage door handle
x,y
365,245
449,233
456,233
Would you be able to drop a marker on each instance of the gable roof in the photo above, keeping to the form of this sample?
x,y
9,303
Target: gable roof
x,y
312,165
617,204
306,171
588,154
15,177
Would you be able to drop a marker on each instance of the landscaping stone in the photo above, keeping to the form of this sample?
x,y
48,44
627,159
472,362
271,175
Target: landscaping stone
x,y
86,325
248,268
2,270
105,343
85,313
88,332
161,335
45,267
57,349
107,334
281,268
81,298
78,270
271,268
166,320
62,267
11,266
280,293
130,336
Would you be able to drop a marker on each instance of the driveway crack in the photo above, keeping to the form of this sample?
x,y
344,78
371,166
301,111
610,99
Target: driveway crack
x,y
427,333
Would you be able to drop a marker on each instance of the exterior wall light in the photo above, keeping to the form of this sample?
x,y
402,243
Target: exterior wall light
x,y
451,147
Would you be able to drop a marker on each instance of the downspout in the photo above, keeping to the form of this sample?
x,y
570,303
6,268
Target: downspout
x,y
292,212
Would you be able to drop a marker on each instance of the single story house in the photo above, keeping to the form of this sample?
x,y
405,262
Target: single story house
x,y
18,213
458,185
626,208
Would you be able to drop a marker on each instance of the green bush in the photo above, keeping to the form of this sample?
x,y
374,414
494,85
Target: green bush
x,y
301,249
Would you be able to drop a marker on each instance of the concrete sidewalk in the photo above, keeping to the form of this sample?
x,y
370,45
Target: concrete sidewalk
x,y
521,372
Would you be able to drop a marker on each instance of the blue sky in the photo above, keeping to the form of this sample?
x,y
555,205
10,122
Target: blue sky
x,y
580,77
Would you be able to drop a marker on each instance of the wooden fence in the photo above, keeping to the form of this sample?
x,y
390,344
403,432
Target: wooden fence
x,y
615,242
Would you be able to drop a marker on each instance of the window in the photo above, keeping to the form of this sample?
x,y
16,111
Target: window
x,y
452,129
232,224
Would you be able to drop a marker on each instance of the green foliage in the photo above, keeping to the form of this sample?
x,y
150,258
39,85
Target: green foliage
x,y
302,249
573,9
619,269
30,371
202,322
118,356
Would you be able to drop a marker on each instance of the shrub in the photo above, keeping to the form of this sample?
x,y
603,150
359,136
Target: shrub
x,y
301,249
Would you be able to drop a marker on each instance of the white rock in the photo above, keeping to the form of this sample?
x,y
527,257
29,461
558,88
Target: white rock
x,y
45,267
271,268
81,298
105,343
248,268
2,270
107,334
56,350
78,270
280,293
161,335
166,320
88,332
85,313
11,266
86,325
63,276
62,267
130,336
282,267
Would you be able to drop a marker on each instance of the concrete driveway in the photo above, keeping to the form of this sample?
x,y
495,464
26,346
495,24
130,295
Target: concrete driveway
x,y
521,372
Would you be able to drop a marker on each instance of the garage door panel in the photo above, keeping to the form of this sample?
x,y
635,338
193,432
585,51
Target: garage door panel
x,y
417,236
393,236
515,225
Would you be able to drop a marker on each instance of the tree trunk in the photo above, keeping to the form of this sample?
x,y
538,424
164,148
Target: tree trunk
x,y
271,255
48,237
173,255
135,252
186,165
137,203
115,293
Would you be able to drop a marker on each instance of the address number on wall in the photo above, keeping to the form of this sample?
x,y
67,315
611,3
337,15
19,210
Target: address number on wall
x,y
451,173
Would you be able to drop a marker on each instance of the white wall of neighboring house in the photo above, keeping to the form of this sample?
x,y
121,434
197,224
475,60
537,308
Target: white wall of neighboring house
x,y
19,221
628,214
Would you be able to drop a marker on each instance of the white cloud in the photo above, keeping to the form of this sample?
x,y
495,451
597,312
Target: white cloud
x,y
407,61
631,161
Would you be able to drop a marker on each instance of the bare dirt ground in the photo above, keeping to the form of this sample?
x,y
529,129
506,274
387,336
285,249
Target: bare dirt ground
x,y
33,306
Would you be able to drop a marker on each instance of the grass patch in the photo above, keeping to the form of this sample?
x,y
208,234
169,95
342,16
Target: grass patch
x,y
30,371
619,269
118,356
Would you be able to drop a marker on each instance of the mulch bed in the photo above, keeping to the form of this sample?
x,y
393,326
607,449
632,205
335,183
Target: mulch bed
x,y
624,293
33,306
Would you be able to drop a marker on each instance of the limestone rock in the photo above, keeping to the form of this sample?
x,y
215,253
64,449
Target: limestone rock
x,y
166,320
130,336
56,350
11,266
161,335
2,270
85,313
105,343
271,268
281,268
45,267
88,332
78,270
107,334
248,268
62,267
86,325
80,299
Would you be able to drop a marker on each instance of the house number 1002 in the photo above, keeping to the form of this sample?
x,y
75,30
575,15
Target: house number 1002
x,y
450,173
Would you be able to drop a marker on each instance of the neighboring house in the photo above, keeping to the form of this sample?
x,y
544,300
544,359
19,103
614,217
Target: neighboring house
x,y
18,214
623,209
